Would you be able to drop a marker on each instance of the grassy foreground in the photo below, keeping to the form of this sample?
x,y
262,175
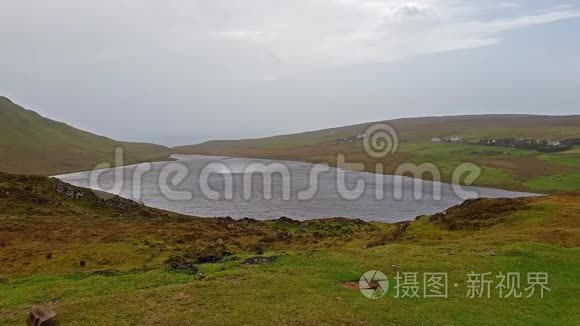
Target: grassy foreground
x,y
109,261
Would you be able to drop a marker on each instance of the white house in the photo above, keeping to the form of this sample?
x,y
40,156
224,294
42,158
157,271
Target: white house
x,y
436,139
553,143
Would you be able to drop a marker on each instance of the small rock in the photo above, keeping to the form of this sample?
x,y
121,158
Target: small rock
x,y
41,316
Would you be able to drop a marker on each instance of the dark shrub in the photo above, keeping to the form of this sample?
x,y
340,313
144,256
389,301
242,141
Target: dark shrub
x,y
181,264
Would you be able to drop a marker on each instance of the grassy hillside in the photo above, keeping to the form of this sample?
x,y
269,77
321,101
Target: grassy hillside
x,y
112,261
503,167
32,144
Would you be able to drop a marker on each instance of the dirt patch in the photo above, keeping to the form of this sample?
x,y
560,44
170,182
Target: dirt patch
x,y
474,214
527,167
352,285
502,164
397,233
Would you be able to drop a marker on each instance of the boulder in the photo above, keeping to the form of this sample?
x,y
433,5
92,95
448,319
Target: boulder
x,y
41,316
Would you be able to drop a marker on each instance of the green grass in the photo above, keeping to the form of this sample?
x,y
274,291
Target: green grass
x,y
506,168
305,289
560,182
458,151
574,150
572,159
448,156
309,284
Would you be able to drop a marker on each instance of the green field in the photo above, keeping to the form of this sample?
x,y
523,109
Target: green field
x,y
501,167
126,249
553,183
505,168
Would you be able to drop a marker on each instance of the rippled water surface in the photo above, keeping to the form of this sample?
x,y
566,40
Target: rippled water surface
x,y
326,202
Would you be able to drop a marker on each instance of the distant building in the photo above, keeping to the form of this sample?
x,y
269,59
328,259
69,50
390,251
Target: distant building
x,y
436,139
455,139
553,143
488,141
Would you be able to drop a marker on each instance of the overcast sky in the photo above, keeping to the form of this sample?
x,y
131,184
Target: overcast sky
x,y
184,71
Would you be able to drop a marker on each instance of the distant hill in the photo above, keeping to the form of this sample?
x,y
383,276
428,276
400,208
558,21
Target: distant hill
x,y
503,167
470,127
32,144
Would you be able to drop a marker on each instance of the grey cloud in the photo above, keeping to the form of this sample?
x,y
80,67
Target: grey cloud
x,y
239,68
